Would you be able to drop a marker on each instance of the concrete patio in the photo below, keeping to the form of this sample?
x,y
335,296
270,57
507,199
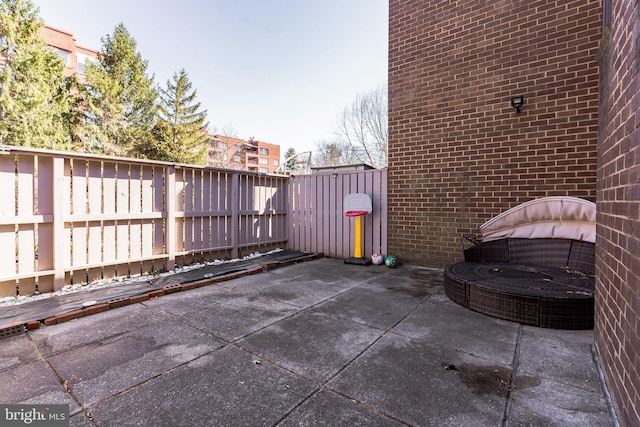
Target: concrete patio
x,y
315,343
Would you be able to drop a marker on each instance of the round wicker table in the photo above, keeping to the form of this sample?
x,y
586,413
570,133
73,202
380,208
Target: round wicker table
x,y
549,297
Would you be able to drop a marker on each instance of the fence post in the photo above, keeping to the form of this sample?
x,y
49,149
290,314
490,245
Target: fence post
x,y
60,245
235,214
170,206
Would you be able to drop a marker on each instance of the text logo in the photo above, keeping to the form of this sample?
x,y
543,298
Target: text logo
x,y
34,415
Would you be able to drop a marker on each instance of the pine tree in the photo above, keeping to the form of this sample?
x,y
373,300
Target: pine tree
x,y
291,160
185,135
121,97
158,145
34,102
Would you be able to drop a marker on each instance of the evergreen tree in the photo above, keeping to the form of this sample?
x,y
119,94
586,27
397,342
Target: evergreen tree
x,y
158,145
291,161
34,103
185,138
121,97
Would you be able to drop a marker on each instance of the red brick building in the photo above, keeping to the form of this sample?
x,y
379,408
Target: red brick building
x,y
74,56
251,155
458,152
617,326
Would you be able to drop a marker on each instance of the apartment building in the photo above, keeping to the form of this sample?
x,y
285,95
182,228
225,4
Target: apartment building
x,y
75,57
240,154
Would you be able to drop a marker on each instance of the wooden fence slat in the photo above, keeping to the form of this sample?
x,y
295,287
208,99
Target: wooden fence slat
x,y
159,187
170,209
64,245
94,204
79,187
8,254
234,233
26,195
59,186
122,206
198,207
45,207
135,206
26,237
347,242
146,244
8,182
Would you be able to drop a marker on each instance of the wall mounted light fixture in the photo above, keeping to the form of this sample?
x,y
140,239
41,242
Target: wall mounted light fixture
x,y
517,102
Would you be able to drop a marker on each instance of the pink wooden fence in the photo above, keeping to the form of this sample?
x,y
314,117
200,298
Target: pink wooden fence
x,y
316,219
73,218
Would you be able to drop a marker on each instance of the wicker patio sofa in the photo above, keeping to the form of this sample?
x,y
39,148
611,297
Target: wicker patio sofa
x,y
533,264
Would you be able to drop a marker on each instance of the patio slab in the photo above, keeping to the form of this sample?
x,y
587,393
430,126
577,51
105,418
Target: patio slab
x,y
240,316
34,383
312,345
424,384
445,323
316,343
225,387
336,410
375,307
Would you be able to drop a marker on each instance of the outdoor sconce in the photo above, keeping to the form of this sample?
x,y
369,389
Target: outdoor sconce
x,y
517,102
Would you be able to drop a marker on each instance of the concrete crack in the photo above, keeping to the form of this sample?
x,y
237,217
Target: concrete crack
x,y
512,382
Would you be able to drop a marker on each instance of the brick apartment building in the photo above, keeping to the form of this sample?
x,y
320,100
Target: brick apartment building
x,y
459,153
251,155
75,57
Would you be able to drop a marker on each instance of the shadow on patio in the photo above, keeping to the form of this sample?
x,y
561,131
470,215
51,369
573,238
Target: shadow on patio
x,y
318,342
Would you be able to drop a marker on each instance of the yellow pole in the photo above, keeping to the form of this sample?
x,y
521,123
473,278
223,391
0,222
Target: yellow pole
x,y
358,249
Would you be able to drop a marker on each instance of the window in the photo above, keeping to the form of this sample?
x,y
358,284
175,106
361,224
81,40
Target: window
x,y
237,159
264,170
276,163
225,156
83,61
64,54
264,151
238,148
264,161
224,145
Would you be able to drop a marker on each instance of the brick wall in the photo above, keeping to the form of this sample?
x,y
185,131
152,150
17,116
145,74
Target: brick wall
x,y
458,152
617,310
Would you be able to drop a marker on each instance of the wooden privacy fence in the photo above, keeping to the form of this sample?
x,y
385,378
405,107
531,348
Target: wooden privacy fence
x,y
316,219
73,218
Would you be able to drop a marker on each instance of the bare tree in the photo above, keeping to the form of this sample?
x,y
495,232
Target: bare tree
x,y
226,130
220,154
363,127
334,153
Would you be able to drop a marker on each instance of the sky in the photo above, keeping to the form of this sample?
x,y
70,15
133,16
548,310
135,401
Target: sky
x,y
279,71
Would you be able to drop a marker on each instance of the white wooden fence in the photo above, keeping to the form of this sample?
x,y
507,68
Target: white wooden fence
x,y
73,218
